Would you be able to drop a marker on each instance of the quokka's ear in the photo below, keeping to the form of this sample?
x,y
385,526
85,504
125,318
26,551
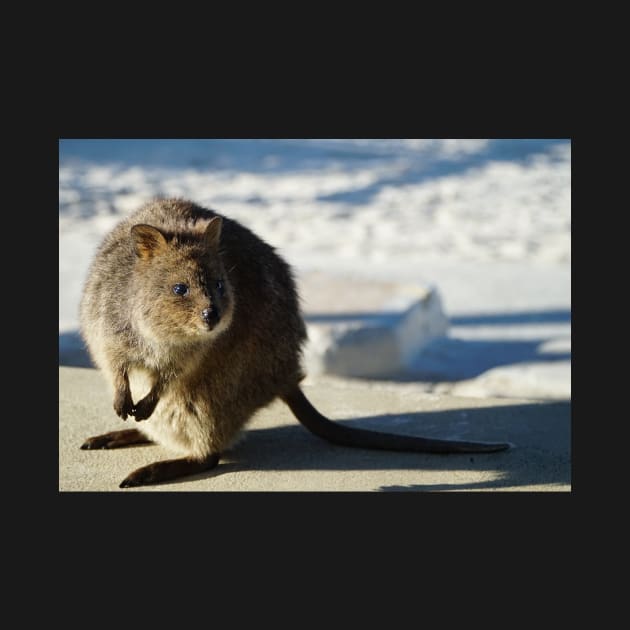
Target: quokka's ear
x,y
147,240
212,235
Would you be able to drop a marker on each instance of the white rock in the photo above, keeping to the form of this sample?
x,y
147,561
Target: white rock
x,y
380,342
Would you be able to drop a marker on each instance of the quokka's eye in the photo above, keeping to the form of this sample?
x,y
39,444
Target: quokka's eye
x,y
180,289
220,287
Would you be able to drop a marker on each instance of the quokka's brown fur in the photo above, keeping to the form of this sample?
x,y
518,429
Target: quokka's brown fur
x,y
199,363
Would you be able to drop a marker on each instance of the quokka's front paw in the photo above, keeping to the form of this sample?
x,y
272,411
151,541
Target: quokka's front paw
x,y
144,408
123,405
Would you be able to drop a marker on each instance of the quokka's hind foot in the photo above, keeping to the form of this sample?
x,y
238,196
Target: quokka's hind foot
x,y
116,439
168,469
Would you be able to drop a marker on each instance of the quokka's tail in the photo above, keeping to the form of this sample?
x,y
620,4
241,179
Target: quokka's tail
x,y
337,433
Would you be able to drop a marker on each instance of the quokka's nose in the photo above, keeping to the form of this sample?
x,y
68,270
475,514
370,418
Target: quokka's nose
x,y
210,315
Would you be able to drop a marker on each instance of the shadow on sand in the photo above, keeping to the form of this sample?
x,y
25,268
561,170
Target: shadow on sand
x,y
539,432
72,350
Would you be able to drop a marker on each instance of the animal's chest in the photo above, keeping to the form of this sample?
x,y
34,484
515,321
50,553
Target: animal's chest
x,y
178,384
182,419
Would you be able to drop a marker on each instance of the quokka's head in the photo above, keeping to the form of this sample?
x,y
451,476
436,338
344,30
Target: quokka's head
x,y
180,289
